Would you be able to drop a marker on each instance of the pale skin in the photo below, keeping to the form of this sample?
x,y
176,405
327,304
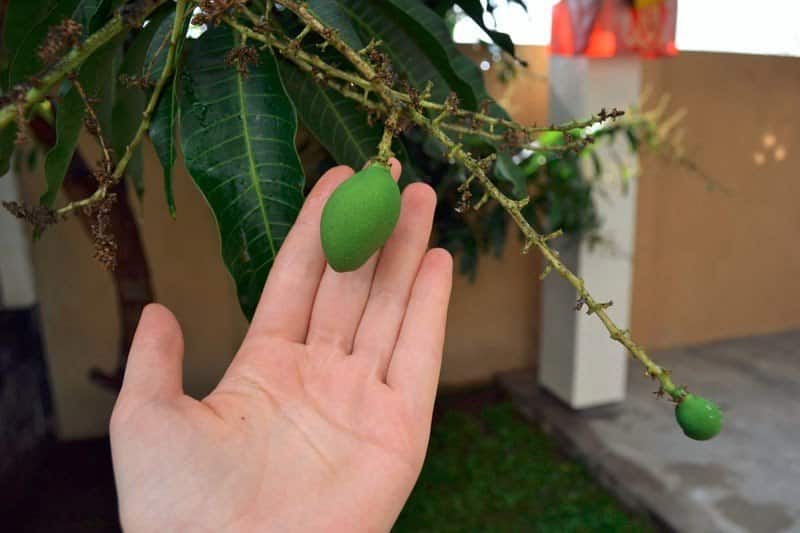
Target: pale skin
x,y
321,422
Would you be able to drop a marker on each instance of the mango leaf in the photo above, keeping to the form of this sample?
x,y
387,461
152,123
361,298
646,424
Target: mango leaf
x,y
506,170
332,15
26,25
7,137
162,127
158,47
339,124
129,102
336,121
95,79
162,135
237,135
91,14
69,120
474,10
429,31
374,20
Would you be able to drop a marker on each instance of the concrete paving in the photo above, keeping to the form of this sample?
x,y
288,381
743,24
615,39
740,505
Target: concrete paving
x,y
745,480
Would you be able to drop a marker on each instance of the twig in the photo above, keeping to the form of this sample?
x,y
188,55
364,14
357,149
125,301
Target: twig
x,y
69,63
122,165
476,169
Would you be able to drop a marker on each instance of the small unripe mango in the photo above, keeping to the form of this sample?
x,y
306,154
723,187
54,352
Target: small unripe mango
x,y
551,138
359,217
699,418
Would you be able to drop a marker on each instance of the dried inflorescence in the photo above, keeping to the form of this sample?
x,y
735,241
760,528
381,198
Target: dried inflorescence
x,y
61,37
39,216
384,71
212,11
105,245
135,82
240,58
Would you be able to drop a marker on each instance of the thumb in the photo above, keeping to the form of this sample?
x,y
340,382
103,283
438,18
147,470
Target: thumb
x,y
155,363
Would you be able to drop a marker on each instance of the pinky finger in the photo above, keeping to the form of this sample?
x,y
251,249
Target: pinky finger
x,y
414,368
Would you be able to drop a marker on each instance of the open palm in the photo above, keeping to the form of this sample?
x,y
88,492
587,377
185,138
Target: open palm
x,y
322,419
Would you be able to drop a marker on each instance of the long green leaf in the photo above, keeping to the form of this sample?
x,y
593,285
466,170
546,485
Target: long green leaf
x,y
91,14
339,124
69,119
427,28
474,9
237,136
336,121
26,25
162,127
332,14
374,20
129,102
162,135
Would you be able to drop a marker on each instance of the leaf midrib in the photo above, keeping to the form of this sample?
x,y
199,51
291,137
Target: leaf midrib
x,y
251,162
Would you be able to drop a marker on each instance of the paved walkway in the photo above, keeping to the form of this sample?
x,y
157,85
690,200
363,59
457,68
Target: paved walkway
x,y
747,479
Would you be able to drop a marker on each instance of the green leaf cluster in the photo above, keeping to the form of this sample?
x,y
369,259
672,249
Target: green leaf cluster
x,y
235,127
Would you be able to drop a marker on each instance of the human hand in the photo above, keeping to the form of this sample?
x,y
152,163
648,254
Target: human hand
x,y
321,422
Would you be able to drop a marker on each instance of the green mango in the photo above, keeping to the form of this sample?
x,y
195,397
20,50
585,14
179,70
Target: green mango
x,y
699,418
577,133
551,138
359,217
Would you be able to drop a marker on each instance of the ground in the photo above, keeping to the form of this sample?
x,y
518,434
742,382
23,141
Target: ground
x,y
487,470
493,471
744,480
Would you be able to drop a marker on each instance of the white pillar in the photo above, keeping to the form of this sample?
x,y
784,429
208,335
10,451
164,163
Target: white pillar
x,y
578,362
17,289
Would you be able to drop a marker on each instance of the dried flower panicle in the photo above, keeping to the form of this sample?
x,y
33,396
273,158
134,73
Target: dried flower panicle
x,y
61,37
39,216
212,11
241,57
135,82
105,245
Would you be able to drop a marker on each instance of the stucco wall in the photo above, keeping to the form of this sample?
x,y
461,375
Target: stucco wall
x,y
712,265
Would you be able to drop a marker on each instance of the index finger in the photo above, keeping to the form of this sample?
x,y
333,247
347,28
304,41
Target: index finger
x,y
288,296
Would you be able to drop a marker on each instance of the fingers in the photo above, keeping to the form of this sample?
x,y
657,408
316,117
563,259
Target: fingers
x,y
394,278
341,298
286,302
414,367
155,363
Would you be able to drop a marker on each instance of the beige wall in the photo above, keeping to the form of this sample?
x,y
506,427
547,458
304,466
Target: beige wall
x,y
710,265
707,265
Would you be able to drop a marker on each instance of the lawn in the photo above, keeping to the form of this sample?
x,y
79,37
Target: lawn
x,y
494,471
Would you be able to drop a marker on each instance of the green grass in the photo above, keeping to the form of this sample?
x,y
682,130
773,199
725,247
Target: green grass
x,y
496,472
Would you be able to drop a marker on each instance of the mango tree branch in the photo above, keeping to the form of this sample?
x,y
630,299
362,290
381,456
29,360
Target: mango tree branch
x,y
38,91
166,74
514,208
453,119
476,168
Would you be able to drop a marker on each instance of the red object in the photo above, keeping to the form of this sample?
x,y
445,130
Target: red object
x,y
609,28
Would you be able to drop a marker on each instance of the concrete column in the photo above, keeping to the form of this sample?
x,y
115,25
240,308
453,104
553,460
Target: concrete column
x,y
578,362
17,289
